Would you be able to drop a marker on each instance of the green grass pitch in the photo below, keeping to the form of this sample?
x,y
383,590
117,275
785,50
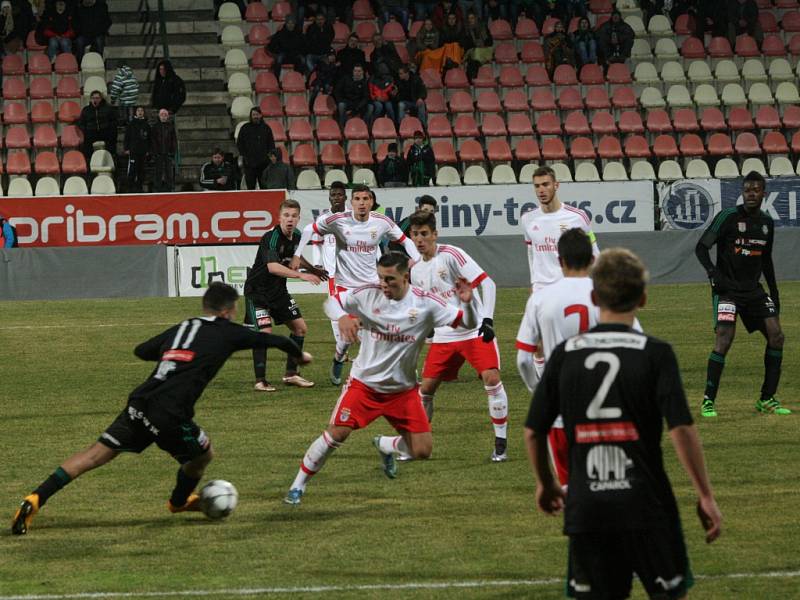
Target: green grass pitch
x,y
67,367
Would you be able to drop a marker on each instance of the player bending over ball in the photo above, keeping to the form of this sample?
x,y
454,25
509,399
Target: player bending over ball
x,y
395,318
161,410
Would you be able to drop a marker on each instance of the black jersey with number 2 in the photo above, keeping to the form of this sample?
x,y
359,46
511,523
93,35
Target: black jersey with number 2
x,y
189,356
614,387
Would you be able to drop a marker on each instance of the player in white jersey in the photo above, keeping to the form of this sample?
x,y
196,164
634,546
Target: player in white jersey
x,y
395,318
541,229
439,271
358,234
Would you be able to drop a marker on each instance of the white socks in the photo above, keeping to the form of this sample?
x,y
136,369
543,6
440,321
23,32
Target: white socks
x,y
314,459
393,445
498,409
538,364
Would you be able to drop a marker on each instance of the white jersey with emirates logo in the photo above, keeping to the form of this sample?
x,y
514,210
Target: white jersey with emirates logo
x,y
439,275
542,231
357,245
393,333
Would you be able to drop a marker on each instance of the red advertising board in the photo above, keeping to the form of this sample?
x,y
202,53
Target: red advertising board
x,y
132,219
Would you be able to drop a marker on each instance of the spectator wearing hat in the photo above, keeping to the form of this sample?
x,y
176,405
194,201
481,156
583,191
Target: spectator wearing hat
x,y
16,21
124,91
393,171
278,175
318,40
287,46
421,161
411,94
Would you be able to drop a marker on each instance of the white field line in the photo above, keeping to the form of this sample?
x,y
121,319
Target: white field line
x,y
324,589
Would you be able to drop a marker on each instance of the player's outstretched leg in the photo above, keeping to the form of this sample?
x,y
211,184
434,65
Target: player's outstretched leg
x,y
94,456
314,459
183,497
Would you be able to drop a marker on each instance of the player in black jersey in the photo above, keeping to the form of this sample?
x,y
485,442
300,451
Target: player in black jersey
x,y
744,237
614,387
161,410
267,299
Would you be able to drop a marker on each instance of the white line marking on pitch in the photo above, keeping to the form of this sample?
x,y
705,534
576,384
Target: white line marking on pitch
x,y
323,589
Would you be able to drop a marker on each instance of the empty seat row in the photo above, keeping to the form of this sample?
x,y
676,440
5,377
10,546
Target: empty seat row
x,y
75,185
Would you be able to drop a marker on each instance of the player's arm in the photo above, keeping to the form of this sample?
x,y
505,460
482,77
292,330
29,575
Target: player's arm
x,y
527,336
308,232
768,268
396,235
316,249
462,266
703,252
469,310
338,308
276,268
543,412
488,300
151,349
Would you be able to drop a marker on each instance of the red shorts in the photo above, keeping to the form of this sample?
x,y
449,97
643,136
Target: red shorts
x,y
445,359
359,405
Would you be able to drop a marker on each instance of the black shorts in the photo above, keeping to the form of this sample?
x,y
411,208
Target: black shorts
x,y
601,565
266,311
753,307
134,430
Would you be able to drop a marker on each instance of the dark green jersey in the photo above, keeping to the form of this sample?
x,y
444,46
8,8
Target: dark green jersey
x,y
744,248
274,247
405,227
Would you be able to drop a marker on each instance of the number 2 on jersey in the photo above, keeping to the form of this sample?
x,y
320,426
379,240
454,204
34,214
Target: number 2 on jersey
x,y
595,410
583,315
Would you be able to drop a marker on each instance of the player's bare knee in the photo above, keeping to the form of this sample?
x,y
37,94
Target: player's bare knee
x,y
299,328
339,434
491,377
775,339
422,450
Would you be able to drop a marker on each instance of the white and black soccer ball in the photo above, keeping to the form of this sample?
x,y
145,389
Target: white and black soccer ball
x,y
218,499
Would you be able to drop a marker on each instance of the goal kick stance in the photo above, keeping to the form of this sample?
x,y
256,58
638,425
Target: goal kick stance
x,y
441,268
161,410
396,319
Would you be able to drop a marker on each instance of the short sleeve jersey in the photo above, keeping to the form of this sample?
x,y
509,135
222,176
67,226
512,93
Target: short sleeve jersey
x,y
541,232
357,245
273,247
615,388
743,242
393,334
439,275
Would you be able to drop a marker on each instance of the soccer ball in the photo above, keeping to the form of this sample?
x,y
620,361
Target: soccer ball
x,y
218,498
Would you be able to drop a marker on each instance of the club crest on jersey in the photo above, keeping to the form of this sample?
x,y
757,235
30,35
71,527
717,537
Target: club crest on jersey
x,y
441,273
563,227
413,313
373,233
743,226
344,415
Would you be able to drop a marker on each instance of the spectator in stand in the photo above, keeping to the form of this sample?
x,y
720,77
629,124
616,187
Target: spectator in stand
x,y
478,43
424,9
308,9
318,40
393,171
124,92
163,149
558,49
397,10
411,94
682,7
382,91
58,29
427,40
169,91
444,8
136,147
16,20
217,175
421,161
616,39
585,42
712,15
384,53
324,76
493,10
278,175
352,97
743,18
92,23
450,52
254,142
350,56
537,10
98,122
287,46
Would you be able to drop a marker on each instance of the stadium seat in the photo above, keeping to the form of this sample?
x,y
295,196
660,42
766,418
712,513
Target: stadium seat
x,y
672,73
527,150
240,108
68,87
565,75
768,118
699,72
236,60
768,22
586,172
39,64
383,129
460,102
542,100
720,47
527,171
712,119
505,54
333,176
510,78
537,76
760,95
443,151
75,186
642,51
786,94
780,166
645,74
630,122
232,37
296,107
609,148
603,124
324,106
293,82
493,126
576,123
68,112
18,163
582,148
685,121
592,74
642,170
780,70
719,144
485,77
101,161
362,11
790,22
303,156
17,137
503,174
515,101
333,156
356,129
94,83
45,137
365,177
256,13
692,146
307,179
706,96
393,32
260,60
431,78
300,131
475,175
73,163
103,184
258,36
71,137
669,170
726,72
365,31
65,64
526,29
548,124
408,126
618,74
439,127
446,176
636,147
691,49
553,150
266,82
19,187
754,164
229,14
498,150
239,85
435,102
569,98
614,171
47,186
519,125
774,142
562,171
597,99
13,66
791,117
664,146
92,65
500,30
14,89
635,22
753,72
488,102
651,99
678,97
465,127
42,112
740,119
733,95
470,151
697,169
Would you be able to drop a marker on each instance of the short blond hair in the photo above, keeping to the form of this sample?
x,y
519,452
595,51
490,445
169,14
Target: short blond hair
x,y
619,278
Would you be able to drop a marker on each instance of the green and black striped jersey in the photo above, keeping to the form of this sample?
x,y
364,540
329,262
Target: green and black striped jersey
x,y
274,246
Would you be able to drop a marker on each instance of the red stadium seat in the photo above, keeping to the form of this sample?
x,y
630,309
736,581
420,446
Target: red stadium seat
x,y
365,31
14,89
293,82
746,47
597,99
510,78
13,65
73,162
304,156
41,88
768,118
570,99
773,46
256,13
515,101
576,123
271,107
532,52
775,143
32,45
498,150
393,32
548,124
790,4
603,123
15,113
623,97
565,75
68,112
692,146
630,122
527,150
470,151
297,106
796,142
684,25
519,125
485,77
39,64
280,11
719,144
536,76
791,117
408,126
362,11
712,119
300,131
553,149
18,163
720,47
278,132
592,74
435,102
493,126
768,22
46,163
340,34
658,121
432,79
542,100
685,121
465,127
601,7
443,151
793,46
489,102
739,119
71,137
664,146
505,54
549,25
324,106
261,59
693,49
609,148
790,22
500,30
456,79
333,156
68,87
66,64
619,74
356,129
526,29
747,144
636,147
359,154
259,34
439,127
267,83
413,30
42,112
17,137
461,102
383,129
328,130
